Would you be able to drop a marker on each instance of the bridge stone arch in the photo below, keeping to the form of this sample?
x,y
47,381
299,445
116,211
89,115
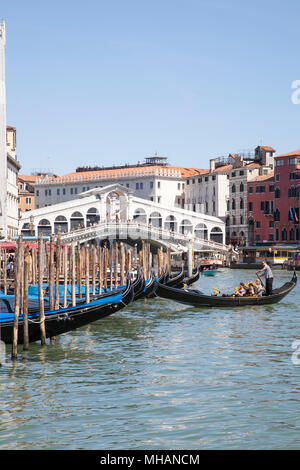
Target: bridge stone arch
x,y
201,231
140,215
44,227
171,223
186,227
116,202
76,220
155,219
92,216
216,235
60,224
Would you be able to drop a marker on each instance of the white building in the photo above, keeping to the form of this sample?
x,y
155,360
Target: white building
x,y
208,192
153,180
3,158
9,167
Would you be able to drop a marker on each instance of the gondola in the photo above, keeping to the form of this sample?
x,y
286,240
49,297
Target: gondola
x,y
188,281
149,288
198,299
67,319
209,272
174,280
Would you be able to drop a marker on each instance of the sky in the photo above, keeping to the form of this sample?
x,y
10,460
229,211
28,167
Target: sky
x,y
111,82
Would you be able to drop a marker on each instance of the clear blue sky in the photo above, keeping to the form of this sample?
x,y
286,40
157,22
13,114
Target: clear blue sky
x,y
108,82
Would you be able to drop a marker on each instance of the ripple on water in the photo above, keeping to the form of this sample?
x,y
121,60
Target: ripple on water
x,y
161,375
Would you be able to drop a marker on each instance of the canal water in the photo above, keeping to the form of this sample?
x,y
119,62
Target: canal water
x,y
160,375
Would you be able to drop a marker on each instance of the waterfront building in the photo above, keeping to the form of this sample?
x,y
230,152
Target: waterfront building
x,y
13,167
207,192
3,157
286,197
154,180
244,169
261,209
26,192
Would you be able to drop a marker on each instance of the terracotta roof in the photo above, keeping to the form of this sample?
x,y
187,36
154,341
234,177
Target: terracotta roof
x,y
266,147
295,153
253,165
223,168
28,178
135,171
269,176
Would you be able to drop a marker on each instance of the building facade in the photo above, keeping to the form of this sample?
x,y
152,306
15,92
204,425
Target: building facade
x,y
3,157
286,197
261,209
13,168
244,170
153,180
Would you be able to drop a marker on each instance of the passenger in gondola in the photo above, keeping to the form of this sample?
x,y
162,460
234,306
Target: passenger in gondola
x,y
250,290
242,291
259,288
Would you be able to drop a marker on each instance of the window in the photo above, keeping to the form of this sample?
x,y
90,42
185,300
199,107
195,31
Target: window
x,y
277,177
152,184
250,189
241,188
58,191
206,178
233,204
242,220
71,190
206,207
250,206
271,188
277,215
158,184
233,220
193,181
64,191
242,204
277,193
141,185
233,174
46,192
284,235
294,161
257,224
214,206
233,188
260,189
127,185
262,205
28,200
241,172
37,192
178,186
214,177
257,238
158,199
49,192
279,162
271,223
277,234
75,190
271,237
137,185
187,182
199,180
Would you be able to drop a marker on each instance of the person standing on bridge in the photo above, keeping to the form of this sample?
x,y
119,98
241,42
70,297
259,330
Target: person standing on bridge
x,y
266,270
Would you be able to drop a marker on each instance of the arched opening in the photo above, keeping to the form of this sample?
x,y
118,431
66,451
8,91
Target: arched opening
x,y
140,216
92,217
171,223
116,207
201,231
60,224
216,235
186,227
77,221
283,235
44,227
26,230
155,219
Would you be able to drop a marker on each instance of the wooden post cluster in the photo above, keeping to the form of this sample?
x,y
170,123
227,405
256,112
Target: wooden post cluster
x,y
65,273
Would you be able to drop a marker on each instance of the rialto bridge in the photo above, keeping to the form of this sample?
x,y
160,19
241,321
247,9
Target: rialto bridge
x,y
113,210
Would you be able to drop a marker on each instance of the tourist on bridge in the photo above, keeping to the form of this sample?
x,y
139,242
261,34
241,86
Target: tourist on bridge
x,y
266,270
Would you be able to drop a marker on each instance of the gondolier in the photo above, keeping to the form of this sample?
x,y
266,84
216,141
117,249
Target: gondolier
x,y
266,270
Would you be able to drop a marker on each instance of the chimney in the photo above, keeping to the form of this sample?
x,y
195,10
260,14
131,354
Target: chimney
x,y
212,164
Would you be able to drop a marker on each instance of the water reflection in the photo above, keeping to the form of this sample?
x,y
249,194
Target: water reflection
x,y
161,375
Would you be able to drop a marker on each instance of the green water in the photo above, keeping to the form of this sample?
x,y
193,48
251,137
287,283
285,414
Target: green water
x,y
160,375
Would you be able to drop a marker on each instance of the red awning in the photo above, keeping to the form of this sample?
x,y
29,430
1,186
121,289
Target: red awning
x,y
10,246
